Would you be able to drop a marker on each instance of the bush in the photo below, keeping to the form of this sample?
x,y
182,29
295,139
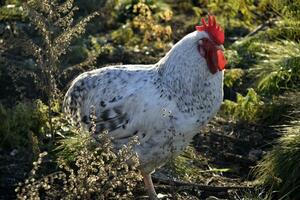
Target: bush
x,y
98,172
247,108
233,77
20,125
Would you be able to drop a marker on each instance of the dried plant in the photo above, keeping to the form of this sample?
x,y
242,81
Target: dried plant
x,y
98,172
56,27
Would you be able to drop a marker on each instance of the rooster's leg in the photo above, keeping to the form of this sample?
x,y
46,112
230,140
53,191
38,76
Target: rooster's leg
x,y
149,186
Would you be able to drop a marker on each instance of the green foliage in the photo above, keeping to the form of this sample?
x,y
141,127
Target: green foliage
x,y
287,76
190,166
230,9
287,9
285,29
27,123
146,22
233,77
245,52
187,165
20,125
11,12
233,58
140,32
247,108
274,66
133,31
280,167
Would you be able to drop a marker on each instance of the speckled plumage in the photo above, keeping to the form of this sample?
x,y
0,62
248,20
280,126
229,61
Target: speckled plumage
x,y
163,104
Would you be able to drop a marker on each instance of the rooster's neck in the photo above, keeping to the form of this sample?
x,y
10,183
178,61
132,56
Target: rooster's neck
x,y
184,77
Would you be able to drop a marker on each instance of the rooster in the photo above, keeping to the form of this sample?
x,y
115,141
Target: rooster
x,y
164,105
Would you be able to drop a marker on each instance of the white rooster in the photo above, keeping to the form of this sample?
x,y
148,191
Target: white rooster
x,y
164,104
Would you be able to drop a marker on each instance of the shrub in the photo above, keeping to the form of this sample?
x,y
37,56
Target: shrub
x,y
11,11
233,77
145,21
98,172
248,108
20,125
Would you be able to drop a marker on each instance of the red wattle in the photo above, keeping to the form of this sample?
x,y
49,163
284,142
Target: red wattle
x,y
221,60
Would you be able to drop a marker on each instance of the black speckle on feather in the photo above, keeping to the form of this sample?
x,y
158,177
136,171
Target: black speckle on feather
x,y
120,97
135,132
100,128
113,100
78,89
85,119
74,95
122,119
112,125
102,103
118,111
105,115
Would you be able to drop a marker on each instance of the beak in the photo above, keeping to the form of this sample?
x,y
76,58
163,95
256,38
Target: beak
x,y
222,47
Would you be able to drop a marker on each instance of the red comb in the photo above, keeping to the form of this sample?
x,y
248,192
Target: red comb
x,y
213,29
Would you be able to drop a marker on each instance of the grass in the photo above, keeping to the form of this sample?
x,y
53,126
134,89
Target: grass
x,y
285,75
280,167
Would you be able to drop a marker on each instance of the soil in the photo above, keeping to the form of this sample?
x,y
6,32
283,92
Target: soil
x,y
224,145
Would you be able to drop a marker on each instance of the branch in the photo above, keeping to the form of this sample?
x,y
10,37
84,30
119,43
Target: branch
x,y
261,27
62,41
200,186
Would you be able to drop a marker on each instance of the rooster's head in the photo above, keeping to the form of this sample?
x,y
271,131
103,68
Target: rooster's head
x,y
210,45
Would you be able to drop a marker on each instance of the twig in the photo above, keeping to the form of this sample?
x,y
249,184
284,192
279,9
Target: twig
x,y
200,186
261,27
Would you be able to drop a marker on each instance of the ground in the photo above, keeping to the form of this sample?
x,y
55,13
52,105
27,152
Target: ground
x,y
223,152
